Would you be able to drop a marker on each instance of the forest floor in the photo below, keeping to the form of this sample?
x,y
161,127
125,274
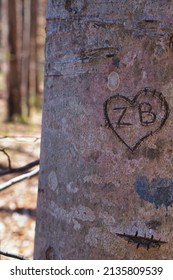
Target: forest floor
x,y
18,202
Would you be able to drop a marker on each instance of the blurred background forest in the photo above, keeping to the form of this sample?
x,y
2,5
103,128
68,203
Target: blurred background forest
x,y
22,38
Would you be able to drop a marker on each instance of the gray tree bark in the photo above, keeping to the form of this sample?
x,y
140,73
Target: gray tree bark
x,y
106,152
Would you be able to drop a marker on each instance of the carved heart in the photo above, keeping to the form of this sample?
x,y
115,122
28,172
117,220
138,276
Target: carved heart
x,y
133,121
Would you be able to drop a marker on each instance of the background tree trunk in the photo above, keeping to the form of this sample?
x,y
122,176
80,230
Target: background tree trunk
x,y
25,59
33,81
13,80
106,153
0,23
40,41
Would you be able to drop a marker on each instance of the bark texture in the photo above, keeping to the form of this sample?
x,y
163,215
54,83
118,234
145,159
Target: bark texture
x,y
106,153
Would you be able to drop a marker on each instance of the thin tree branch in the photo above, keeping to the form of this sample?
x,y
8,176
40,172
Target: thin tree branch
x,y
20,169
20,138
11,255
19,179
8,157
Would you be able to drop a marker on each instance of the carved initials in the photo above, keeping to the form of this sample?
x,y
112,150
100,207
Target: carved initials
x,y
146,115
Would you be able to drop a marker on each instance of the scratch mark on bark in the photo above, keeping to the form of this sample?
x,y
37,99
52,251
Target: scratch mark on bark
x,y
143,241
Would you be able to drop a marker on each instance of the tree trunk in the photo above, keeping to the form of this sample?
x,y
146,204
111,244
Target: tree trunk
x,y
13,80
25,59
106,152
40,41
33,79
3,41
0,23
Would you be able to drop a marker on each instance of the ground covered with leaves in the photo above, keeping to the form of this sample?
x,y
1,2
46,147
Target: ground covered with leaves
x,y
21,142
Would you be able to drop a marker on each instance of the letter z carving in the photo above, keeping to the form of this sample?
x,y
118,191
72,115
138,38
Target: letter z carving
x,y
122,115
